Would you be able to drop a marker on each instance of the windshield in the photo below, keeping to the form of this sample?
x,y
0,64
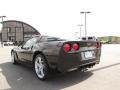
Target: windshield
x,y
49,38
54,39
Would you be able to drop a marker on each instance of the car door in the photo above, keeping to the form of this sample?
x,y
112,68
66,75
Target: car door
x,y
19,51
26,50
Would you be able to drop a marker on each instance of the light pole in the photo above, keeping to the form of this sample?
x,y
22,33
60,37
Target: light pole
x,y
80,25
85,21
2,18
1,31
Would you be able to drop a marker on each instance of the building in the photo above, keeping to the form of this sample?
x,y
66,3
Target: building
x,y
17,31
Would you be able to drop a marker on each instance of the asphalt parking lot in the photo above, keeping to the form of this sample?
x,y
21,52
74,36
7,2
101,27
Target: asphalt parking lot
x,y
105,76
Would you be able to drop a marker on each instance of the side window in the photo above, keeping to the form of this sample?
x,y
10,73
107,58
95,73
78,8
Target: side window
x,y
30,42
43,39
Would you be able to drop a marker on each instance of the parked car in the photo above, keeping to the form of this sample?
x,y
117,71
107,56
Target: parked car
x,y
92,38
46,53
8,43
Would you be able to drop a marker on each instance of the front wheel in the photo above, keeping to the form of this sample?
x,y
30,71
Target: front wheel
x,y
41,67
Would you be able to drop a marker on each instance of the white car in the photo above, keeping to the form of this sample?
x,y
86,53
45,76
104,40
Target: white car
x,y
91,38
8,43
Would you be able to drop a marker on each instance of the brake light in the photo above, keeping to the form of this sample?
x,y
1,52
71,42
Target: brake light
x,y
66,47
75,46
97,45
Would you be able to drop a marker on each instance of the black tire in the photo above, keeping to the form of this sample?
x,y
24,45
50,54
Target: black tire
x,y
13,58
43,71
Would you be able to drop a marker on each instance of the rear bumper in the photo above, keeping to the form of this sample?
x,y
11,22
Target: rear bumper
x,y
86,65
69,61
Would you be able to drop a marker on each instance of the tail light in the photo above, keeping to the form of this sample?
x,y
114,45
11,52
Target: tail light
x,y
97,45
66,47
75,46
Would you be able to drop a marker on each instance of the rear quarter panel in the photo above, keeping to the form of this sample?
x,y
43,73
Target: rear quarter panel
x,y
51,50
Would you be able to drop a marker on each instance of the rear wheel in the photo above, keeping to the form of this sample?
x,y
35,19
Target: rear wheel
x,y
41,67
13,59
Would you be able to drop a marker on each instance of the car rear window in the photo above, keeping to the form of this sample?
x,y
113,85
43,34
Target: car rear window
x,y
54,39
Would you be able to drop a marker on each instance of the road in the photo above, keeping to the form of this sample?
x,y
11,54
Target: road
x,y
104,76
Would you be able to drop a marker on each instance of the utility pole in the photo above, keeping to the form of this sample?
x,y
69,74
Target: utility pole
x,y
80,25
85,21
1,31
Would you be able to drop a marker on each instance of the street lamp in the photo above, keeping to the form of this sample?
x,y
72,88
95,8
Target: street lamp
x,y
80,25
1,31
2,18
85,21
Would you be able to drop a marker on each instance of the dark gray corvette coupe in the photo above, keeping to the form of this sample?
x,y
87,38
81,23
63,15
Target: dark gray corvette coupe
x,y
47,53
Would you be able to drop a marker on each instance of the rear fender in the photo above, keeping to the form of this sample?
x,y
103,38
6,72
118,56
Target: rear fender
x,y
39,52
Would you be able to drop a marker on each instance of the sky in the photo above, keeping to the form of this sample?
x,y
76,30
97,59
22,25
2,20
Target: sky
x,y
62,17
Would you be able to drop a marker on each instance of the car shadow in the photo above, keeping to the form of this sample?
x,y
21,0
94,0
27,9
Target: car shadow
x,y
104,67
23,78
